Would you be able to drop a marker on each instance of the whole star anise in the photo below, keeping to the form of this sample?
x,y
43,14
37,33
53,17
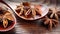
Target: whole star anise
x,y
50,22
55,13
51,18
27,10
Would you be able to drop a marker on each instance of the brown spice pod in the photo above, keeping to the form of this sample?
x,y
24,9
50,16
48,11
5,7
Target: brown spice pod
x,y
51,19
42,13
5,22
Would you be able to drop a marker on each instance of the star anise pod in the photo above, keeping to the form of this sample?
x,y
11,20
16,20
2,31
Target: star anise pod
x,y
51,19
55,13
28,9
5,22
50,22
7,16
33,10
20,9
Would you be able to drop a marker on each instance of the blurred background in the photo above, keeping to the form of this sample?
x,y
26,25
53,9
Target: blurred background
x,y
41,1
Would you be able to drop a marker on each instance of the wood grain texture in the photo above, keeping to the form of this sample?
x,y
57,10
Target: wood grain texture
x,y
31,27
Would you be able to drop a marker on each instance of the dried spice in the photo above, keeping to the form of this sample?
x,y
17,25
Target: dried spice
x,y
51,18
5,23
26,9
50,22
26,3
55,13
5,17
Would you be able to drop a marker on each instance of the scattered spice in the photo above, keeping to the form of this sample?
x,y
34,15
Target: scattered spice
x,y
52,18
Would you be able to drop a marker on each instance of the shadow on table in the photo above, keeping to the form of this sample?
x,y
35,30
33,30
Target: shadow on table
x,y
9,32
33,27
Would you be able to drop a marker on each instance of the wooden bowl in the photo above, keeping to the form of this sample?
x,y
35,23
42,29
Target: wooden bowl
x,y
44,11
11,26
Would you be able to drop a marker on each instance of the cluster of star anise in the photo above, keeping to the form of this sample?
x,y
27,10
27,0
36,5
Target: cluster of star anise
x,y
52,18
26,9
5,17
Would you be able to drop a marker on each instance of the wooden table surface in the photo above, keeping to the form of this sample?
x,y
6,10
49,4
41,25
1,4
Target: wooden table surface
x,y
31,27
